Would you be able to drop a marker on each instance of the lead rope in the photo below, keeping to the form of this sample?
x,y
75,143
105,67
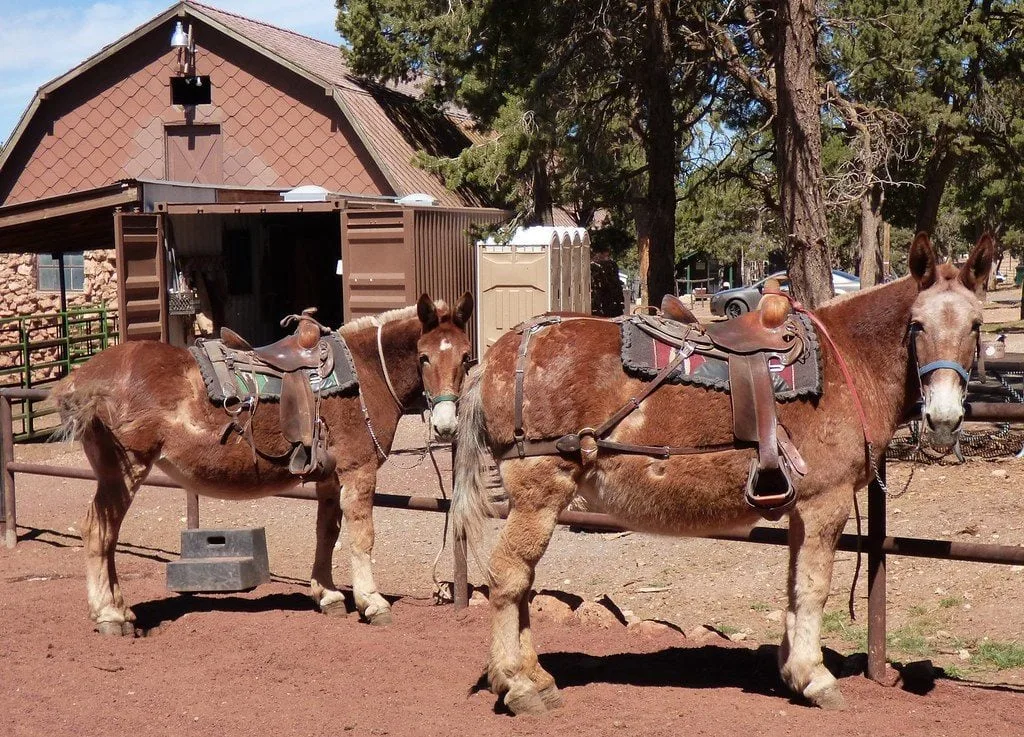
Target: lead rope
x,y
439,596
869,461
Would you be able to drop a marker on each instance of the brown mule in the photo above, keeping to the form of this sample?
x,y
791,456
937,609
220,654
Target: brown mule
x,y
141,404
904,341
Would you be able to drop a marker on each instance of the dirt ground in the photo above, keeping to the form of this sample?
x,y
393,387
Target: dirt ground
x,y
210,664
265,661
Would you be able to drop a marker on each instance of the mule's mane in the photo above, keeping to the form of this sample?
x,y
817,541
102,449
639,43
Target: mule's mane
x,y
372,321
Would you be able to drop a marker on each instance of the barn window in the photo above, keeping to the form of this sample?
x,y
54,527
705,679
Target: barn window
x,y
48,270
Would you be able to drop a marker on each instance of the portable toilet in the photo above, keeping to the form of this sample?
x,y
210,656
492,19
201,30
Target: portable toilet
x,y
540,269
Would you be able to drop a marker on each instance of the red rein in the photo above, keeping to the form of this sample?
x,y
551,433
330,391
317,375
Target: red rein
x,y
842,367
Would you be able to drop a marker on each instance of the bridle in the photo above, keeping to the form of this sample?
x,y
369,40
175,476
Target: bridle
x,y
913,330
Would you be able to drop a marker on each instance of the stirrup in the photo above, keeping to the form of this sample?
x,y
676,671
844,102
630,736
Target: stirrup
x,y
762,494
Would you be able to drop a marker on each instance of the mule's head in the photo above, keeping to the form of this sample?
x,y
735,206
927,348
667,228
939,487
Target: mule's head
x,y
444,356
943,335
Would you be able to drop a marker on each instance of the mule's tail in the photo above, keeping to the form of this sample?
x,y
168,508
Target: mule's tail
x,y
470,505
80,406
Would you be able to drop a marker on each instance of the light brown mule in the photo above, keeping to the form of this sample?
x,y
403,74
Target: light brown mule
x,y
142,404
574,379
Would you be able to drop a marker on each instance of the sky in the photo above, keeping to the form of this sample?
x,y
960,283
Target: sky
x,y
42,39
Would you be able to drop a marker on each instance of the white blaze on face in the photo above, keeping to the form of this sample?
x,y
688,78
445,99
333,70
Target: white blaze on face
x,y
444,419
445,344
943,410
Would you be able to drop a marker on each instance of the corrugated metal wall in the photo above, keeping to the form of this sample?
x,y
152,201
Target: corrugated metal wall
x,y
445,260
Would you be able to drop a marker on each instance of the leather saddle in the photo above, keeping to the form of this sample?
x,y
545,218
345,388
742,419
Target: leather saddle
x,y
751,343
297,360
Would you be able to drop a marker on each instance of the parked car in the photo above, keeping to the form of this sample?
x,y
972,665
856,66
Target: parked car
x,y
736,301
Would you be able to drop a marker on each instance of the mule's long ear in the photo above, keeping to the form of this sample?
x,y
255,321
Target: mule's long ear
x,y
427,312
974,272
463,311
922,260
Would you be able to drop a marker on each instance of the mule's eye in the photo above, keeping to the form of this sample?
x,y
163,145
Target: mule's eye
x,y
976,325
916,327
424,358
466,359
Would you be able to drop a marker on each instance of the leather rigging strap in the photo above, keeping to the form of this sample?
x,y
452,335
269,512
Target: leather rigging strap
x,y
587,440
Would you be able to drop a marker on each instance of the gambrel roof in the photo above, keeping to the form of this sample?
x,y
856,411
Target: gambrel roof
x,y
389,121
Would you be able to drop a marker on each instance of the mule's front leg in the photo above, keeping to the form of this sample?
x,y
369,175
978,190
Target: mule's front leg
x,y
814,530
357,505
328,525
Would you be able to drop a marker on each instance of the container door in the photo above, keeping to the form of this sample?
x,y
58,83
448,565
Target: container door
x,y
141,283
377,260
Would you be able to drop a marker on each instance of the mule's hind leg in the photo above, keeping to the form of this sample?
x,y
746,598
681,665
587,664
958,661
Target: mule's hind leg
x,y
542,680
537,495
119,474
328,525
814,530
357,506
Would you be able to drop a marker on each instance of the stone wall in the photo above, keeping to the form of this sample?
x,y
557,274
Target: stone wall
x,y
19,276
19,296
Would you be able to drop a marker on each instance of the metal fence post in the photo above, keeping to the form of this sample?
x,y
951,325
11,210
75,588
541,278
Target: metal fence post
x,y
191,510
876,578
7,506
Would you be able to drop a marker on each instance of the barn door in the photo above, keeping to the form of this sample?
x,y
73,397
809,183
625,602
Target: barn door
x,y
195,154
377,260
141,292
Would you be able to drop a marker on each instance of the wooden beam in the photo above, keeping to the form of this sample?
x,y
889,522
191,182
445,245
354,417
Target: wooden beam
x,y
127,196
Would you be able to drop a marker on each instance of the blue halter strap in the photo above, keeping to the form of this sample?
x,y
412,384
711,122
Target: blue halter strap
x,y
935,365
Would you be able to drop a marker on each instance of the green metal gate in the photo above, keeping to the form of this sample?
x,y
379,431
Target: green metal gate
x,y
37,350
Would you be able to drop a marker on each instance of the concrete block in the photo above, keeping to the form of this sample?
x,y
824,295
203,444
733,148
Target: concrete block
x,y
220,561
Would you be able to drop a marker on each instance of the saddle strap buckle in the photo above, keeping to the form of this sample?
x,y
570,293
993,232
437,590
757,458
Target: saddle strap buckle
x,y
583,442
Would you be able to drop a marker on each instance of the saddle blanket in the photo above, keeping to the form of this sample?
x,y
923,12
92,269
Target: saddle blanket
x,y
644,356
224,370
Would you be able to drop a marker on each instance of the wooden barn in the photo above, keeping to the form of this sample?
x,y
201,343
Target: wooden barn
x,y
244,164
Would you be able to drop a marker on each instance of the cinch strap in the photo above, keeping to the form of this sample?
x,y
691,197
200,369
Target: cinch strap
x,y
953,365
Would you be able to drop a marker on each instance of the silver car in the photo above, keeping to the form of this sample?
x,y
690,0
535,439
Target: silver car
x,y
736,301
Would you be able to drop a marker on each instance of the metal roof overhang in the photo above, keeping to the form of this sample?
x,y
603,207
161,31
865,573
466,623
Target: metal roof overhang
x,y
73,222
237,208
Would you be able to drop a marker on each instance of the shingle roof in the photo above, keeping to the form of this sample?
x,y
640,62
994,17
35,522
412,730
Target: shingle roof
x,y
392,123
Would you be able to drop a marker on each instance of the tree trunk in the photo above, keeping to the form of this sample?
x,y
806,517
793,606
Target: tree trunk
x,y
661,156
542,205
642,221
940,166
798,147
870,224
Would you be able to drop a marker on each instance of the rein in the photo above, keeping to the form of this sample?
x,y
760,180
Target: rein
x,y
384,366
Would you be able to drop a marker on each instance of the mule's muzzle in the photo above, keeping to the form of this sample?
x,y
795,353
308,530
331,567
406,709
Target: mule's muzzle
x,y
444,420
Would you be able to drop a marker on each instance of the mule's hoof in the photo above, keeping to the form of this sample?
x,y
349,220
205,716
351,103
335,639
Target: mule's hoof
x,y
829,698
552,697
116,629
379,618
525,701
334,608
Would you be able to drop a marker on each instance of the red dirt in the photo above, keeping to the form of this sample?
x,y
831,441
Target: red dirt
x,y
264,661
